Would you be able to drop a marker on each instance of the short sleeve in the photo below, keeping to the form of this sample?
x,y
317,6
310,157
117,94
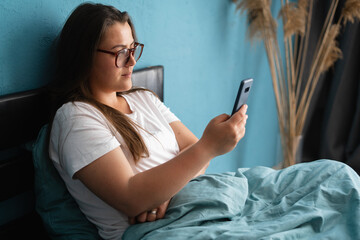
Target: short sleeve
x,y
79,136
164,110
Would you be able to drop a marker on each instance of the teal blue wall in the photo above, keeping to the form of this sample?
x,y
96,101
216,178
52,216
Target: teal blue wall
x,y
202,45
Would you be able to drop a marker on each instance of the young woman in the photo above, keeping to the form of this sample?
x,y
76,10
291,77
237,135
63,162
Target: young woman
x,y
122,154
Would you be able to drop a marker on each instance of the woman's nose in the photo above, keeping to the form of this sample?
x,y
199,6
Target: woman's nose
x,y
131,60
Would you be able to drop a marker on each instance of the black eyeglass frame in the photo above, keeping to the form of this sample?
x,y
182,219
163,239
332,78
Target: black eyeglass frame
x,y
129,50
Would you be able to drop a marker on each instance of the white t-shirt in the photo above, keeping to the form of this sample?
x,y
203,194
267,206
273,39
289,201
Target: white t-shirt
x,y
81,134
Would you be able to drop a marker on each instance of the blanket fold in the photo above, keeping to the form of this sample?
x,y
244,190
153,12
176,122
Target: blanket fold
x,y
317,200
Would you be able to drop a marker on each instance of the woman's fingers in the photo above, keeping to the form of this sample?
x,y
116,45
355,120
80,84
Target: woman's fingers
x,y
219,119
223,132
151,215
158,213
239,115
162,210
142,217
239,120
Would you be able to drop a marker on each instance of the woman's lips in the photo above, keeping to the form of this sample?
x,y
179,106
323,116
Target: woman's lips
x,y
126,75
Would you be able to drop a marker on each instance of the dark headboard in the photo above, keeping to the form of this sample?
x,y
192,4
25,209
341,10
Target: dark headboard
x,y
21,117
151,78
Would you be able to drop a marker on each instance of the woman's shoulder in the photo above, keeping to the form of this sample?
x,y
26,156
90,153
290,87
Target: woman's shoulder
x,y
75,109
143,94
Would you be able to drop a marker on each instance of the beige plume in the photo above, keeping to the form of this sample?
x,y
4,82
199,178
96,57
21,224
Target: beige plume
x,y
261,22
294,19
351,11
332,52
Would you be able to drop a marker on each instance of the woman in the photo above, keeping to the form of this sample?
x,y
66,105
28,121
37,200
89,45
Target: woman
x,y
120,151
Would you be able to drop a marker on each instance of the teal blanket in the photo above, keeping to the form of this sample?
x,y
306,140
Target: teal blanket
x,y
318,200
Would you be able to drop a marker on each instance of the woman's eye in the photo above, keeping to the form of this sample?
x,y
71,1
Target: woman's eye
x,y
123,52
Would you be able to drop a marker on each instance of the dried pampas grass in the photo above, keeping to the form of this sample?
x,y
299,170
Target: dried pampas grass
x,y
293,89
331,53
351,11
294,19
261,22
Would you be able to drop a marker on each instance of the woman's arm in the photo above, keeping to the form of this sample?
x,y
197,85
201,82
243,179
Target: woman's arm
x,y
111,178
185,138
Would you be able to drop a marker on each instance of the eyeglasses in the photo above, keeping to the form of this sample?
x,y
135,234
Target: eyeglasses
x,y
122,56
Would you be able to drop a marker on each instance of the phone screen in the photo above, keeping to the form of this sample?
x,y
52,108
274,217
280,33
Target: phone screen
x,y
243,94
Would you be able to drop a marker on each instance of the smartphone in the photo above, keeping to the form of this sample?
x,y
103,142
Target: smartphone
x,y
243,94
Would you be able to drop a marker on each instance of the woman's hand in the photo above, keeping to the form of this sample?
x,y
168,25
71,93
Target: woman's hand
x,y
224,132
150,216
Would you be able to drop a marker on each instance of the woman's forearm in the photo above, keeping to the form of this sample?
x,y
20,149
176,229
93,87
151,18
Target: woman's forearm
x,y
150,188
203,170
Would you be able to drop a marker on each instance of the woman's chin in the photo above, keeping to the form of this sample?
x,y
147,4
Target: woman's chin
x,y
125,88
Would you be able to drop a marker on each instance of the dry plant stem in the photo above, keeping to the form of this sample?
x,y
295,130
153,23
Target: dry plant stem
x,y
275,85
291,87
303,53
296,48
304,5
282,106
270,54
287,59
326,38
278,81
292,103
281,77
330,38
286,43
327,61
291,120
326,24
319,52
280,70
291,116
289,135
292,65
340,19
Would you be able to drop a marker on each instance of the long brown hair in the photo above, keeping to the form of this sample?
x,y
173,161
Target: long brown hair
x,y
76,46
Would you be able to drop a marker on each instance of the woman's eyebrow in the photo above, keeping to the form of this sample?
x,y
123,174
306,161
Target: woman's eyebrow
x,y
121,45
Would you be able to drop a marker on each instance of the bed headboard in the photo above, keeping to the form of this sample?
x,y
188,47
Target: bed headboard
x,y
21,117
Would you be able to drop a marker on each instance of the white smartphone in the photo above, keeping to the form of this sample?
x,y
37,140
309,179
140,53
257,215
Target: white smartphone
x,y
243,94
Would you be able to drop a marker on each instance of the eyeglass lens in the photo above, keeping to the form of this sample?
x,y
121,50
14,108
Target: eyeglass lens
x,y
123,56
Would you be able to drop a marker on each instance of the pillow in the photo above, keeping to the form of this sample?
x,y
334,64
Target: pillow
x,y
60,213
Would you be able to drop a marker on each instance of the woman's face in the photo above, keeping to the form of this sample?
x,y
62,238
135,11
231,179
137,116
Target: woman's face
x,y
105,77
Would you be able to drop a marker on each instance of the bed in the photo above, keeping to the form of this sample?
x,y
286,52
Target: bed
x,y
318,200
